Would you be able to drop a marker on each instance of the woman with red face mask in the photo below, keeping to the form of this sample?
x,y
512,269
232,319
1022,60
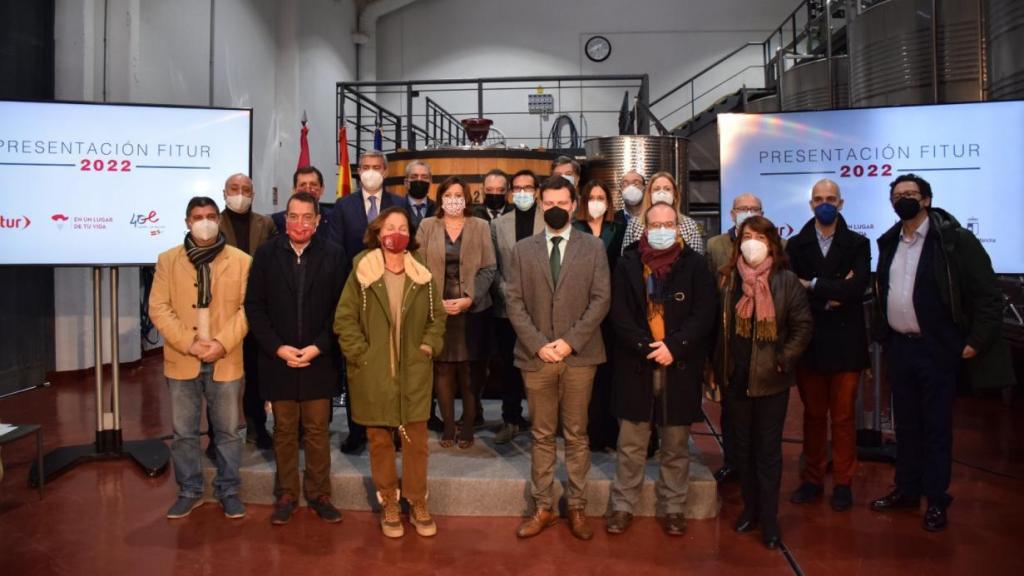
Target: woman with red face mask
x,y
390,323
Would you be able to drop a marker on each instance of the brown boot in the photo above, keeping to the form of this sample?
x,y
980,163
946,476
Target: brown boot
x,y
390,513
579,525
534,525
420,518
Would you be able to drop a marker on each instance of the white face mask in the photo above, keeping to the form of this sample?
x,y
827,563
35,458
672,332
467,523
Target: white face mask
x,y
662,197
741,216
570,178
453,205
632,195
239,203
523,200
596,208
204,230
371,180
754,251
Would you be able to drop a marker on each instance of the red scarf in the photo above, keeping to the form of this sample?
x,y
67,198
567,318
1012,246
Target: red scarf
x,y
659,262
757,298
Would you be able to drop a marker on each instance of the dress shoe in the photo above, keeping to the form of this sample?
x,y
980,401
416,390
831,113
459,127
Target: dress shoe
x,y
842,498
896,499
579,525
618,522
935,519
726,474
353,445
674,524
807,492
536,524
746,522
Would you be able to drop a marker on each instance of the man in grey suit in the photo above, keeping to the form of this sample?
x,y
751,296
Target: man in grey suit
x,y
558,292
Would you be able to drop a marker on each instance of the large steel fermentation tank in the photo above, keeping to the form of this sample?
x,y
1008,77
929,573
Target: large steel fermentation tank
x,y
895,53
805,86
610,157
1004,25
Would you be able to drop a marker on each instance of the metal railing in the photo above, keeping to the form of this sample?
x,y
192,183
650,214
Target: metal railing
x,y
390,123
443,128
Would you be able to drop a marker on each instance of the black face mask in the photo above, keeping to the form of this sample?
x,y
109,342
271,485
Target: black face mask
x,y
907,208
556,217
418,189
494,201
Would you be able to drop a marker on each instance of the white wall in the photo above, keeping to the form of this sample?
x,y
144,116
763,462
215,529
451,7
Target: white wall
x,y
277,57
668,39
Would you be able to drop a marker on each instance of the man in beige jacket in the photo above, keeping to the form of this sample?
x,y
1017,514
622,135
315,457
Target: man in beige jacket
x,y
196,304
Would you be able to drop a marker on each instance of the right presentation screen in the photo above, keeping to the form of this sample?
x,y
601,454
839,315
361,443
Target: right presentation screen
x,y
972,154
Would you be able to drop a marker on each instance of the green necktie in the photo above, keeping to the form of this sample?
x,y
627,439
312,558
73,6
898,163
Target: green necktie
x,y
556,259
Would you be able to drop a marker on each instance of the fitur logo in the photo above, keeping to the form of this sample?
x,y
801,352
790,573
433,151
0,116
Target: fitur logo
x,y
15,222
59,220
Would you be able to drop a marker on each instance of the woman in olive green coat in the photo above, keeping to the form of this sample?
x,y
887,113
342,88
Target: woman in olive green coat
x,y
390,324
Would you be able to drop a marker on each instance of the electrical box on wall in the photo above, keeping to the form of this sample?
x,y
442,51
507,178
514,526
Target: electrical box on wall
x,y
542,104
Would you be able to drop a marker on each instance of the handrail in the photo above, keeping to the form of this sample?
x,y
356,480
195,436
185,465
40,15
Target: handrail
x,y
706,70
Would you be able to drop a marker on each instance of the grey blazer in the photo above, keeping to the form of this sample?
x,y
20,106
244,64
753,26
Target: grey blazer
x,y
541,312
503,234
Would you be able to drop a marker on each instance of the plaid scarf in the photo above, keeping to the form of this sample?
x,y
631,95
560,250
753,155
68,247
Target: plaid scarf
x,y
200,257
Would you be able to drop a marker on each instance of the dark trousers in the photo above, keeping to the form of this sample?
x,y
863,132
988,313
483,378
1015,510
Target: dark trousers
x,y
728,436
512,392
603,426
757,427
923,382
252,400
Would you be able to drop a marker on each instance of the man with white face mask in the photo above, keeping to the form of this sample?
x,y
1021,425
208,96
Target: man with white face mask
x,y
246,230
349,220
567,168
196,304
631,189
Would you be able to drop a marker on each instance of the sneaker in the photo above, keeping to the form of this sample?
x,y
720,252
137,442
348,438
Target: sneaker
x,y
233,507
184,506
507,432
420,518
325,510
390,514
842,498
807,492
283,510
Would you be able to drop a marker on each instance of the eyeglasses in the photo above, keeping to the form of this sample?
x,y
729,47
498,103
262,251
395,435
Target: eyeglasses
x,y
529,189
304,218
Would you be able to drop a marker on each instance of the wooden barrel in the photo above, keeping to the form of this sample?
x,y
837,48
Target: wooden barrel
x,y
469,164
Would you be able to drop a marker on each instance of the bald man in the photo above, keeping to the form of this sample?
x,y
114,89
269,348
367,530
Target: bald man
x,y
834,264
246,230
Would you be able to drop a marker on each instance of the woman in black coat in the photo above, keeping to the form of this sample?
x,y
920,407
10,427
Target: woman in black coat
x,y
663,313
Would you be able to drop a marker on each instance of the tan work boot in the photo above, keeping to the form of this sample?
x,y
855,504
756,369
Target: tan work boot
x,y
420,518
390,513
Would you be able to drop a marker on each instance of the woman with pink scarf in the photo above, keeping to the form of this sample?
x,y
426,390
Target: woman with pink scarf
x,y
765,325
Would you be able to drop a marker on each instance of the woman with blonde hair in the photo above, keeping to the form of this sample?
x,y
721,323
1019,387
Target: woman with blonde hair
x,y
662,189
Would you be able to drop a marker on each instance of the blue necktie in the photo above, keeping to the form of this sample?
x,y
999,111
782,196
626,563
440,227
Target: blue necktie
x,y
371,215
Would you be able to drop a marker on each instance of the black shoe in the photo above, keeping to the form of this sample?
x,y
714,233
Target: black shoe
x,y
935,519
353,445
842,498
283,510
807,492
325,510
265,441
772,542
726,474
896,499
746,522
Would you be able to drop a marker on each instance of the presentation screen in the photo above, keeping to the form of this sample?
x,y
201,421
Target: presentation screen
x,y
970,153
107,184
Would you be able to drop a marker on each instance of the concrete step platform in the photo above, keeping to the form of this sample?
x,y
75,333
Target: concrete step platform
x,y
484,480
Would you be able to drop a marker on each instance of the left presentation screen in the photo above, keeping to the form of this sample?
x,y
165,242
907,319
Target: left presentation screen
x,y
107,184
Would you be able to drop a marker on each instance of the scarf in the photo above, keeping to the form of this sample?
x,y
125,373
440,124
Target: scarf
x,y
756,298
200,257
657,264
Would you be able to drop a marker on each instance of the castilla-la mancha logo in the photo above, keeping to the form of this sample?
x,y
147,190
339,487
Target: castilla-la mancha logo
x,y
59,220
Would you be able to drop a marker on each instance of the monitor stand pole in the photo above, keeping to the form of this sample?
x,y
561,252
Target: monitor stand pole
x,y
151,455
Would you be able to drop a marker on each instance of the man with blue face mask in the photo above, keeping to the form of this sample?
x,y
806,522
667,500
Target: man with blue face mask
x,y
663,311
506,230
834,265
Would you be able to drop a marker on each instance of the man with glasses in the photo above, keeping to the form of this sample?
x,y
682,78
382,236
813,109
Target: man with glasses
x,y
938,307
522,221
557,294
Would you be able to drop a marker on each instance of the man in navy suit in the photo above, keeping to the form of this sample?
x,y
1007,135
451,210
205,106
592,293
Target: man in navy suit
x,y
349,220
310,179
417,203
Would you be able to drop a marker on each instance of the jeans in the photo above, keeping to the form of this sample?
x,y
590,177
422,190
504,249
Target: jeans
x,y
222,398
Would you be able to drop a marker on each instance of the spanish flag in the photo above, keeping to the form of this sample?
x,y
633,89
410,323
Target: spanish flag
x,y
344,169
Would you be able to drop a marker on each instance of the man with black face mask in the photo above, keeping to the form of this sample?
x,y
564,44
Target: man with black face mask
x,y
834,265
938,307
417,185
558,293
495,196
